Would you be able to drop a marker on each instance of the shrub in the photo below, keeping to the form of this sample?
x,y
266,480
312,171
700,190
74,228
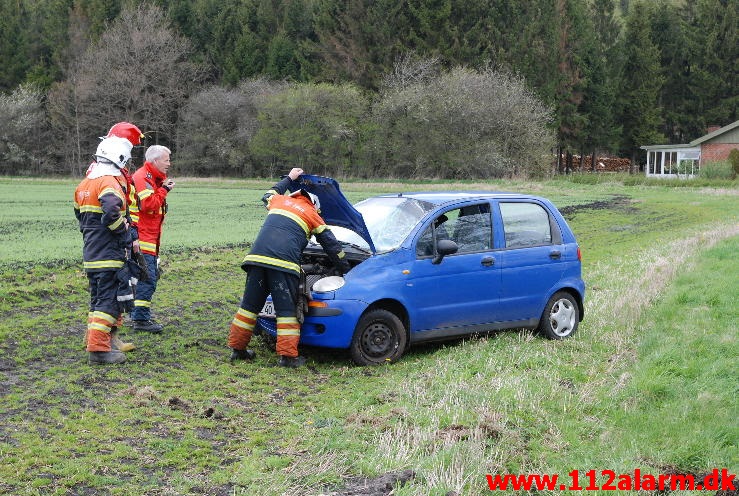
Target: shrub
x,y
720,169
24,122
734,159
462,124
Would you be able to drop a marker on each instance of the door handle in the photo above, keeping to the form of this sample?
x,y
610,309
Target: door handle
x,y
487,261
555,254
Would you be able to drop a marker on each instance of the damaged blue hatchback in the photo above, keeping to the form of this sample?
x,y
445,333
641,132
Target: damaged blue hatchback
x,y
434,266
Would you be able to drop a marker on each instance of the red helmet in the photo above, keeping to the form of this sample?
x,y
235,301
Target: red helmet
x,y
128,131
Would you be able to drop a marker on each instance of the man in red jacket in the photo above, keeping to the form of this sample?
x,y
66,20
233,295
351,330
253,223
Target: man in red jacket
x,y
152,186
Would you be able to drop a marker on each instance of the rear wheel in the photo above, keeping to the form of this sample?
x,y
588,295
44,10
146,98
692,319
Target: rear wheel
x,y
561,316
379,337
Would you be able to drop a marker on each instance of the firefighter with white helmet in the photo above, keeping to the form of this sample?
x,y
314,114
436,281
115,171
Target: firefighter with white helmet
x,y
133,134
101,209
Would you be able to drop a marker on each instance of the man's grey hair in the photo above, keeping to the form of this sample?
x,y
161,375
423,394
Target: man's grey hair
x,y
156,151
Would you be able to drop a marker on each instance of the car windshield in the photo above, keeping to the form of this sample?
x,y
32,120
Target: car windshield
x,y
388,219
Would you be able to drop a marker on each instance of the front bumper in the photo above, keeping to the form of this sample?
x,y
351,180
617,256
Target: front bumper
x,y
327,327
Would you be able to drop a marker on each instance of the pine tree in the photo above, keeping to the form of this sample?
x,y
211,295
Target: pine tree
x,y
641,115
715,64
13,44
603,68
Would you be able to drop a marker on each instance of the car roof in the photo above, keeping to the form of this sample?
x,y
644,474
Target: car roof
x,y
337,210
443,197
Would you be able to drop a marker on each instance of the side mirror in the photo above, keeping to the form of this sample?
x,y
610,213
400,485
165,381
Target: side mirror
x,y
444,247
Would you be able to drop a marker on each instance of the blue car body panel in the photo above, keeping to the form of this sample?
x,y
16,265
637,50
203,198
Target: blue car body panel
x,y
496,287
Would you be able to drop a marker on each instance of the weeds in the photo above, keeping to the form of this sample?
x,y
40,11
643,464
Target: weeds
x,y
646,383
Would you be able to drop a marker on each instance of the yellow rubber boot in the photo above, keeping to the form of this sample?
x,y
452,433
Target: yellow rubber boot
x,y
117,344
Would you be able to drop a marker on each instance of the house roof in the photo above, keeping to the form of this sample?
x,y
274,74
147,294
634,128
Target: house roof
x,y
695,143
712,135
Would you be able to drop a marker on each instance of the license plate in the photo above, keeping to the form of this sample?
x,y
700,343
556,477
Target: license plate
x,y
268,310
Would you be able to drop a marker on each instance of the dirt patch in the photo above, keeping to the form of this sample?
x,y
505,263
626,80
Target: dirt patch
x,y
382,485
619,202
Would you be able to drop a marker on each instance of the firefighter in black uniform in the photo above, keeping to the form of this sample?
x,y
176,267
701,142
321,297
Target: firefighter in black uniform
x,y
273,267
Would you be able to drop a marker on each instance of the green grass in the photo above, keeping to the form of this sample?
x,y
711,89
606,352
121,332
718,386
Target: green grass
x,y
649,381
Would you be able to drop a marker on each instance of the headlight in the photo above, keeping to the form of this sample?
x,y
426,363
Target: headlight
x,y
326,284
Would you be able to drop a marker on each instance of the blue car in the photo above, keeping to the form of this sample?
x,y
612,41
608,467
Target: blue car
x,y
434,266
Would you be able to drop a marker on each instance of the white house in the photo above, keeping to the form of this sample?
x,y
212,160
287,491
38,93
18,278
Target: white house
x,y
686,160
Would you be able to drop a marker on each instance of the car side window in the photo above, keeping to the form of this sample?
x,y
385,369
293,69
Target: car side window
x,y
470,227
525,224
436,231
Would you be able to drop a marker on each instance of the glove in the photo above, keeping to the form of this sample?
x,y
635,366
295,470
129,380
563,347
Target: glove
x,y
125,290
141,272
343,267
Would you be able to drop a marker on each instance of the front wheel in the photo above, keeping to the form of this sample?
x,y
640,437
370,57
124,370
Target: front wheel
x,y
561,316
379,337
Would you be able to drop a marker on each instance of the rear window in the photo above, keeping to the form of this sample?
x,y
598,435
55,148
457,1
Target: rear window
x,y
525,224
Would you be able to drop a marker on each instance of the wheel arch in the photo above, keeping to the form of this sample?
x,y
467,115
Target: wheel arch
x,y
576,296
396,308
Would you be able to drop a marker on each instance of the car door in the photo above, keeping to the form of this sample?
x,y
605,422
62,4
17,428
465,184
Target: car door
x,y
531,259
462,291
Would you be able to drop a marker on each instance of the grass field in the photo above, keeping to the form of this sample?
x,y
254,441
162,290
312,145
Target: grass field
x,y
650,381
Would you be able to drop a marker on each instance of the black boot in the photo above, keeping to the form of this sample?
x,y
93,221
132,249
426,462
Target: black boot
x,y
291,362
147,326
106,357
243,355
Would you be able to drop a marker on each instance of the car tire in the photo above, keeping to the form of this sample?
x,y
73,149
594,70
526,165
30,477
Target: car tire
x,y
379,337
561,316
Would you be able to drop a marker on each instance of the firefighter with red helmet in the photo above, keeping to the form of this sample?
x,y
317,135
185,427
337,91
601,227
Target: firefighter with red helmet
x,y
100,207
273,267
153,186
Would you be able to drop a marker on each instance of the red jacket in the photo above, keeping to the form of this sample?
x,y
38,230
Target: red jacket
x,y
152,207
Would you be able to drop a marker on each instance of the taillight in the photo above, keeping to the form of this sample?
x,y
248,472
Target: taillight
x,y
579,254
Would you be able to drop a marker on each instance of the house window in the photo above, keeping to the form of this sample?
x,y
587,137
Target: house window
x,y
670,163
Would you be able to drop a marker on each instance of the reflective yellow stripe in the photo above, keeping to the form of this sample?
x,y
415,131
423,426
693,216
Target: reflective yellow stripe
x,y
103,264
292,216
104,316
246,313
145,245
288,326
108,191
134,218
244,319
91,209
116,224
272,261
141,303
145,194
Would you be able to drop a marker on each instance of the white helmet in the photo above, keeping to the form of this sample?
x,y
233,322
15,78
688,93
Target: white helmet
x,y
313,198
115,150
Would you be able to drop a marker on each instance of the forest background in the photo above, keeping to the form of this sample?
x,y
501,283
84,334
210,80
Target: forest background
x,y
361,88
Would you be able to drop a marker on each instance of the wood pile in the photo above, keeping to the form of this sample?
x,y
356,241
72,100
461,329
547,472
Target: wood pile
x,y
602,164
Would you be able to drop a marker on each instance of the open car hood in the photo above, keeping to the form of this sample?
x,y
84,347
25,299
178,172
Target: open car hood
x,y
335,208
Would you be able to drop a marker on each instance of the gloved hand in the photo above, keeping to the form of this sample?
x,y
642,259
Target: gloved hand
x,y
343,267
140,270
125,290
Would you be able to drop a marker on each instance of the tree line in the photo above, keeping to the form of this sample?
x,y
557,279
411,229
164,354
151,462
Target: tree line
x,y
362,88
